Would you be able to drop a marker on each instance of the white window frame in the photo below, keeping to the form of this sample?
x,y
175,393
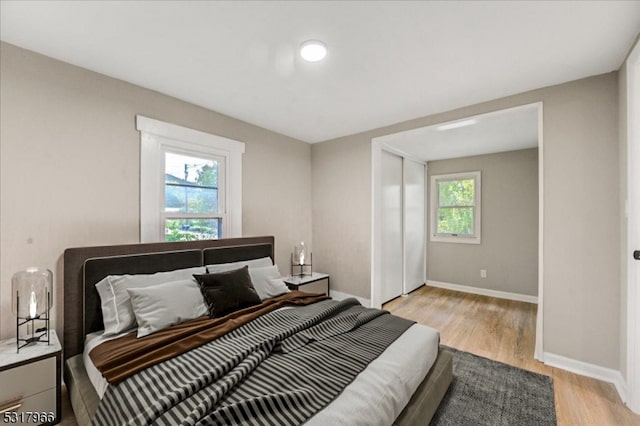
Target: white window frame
x,y
158,137
475,238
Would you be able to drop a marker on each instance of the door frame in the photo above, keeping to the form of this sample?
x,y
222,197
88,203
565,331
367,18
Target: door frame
x,y
633,281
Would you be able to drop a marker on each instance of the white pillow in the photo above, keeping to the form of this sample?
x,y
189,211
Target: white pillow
x,y
162,305
267,282
117,312
108,304
253,263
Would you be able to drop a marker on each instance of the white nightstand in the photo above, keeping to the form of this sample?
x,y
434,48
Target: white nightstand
x,y
30,382
314,283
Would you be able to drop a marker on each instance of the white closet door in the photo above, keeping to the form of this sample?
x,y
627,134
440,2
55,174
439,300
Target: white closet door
x,y
392,244
414,225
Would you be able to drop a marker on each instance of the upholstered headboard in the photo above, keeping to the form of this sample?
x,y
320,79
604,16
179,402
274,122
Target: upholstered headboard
x,y
85,266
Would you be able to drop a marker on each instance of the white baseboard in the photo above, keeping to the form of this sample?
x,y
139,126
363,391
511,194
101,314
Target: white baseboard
x,y
338,295
551,359
484,291
590,370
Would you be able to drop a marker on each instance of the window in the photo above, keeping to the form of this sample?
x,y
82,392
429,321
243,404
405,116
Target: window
x,y
455,208
190,183
193,208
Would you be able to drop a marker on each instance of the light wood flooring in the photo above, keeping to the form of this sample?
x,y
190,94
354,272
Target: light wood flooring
x,y
504,330
68,418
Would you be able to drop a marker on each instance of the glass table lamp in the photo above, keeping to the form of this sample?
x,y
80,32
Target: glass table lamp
x,y
300,258
299,253
32,296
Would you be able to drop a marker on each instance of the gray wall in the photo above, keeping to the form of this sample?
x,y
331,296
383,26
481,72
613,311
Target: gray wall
x,y
341,197
509,247
69,176
581,212
70,167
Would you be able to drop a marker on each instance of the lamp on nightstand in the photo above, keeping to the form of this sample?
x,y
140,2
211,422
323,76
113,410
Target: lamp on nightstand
x,y
32,298
299,257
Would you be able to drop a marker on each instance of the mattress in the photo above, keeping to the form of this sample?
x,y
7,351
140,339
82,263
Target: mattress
x,y
376,396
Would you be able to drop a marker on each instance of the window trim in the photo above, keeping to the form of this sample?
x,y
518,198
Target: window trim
x,y
477,209
157,137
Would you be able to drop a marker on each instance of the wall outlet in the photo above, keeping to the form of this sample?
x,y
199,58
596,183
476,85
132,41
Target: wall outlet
x,y
483,273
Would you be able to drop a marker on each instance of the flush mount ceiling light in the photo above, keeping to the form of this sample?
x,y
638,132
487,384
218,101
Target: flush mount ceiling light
x,y
313,50
457,124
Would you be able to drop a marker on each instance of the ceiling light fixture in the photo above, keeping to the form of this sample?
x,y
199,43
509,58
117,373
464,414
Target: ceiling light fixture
x,y
457,124
313,50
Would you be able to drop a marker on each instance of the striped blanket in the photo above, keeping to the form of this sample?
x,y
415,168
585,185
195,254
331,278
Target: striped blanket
x,y
279,369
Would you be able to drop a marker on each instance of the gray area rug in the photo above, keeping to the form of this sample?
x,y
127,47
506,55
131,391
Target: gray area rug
x,y
490,393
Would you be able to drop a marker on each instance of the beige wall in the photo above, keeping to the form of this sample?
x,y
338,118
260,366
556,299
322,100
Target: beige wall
x,y
69,160
581,211
341,188
509,249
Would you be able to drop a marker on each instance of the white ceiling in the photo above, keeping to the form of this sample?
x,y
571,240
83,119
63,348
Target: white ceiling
x,y
387,62
506,130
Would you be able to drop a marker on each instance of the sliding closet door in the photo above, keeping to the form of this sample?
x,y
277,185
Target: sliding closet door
x,y
392,244
414,225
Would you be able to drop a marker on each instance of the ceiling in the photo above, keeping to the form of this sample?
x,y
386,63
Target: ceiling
x,y
506,130
388,61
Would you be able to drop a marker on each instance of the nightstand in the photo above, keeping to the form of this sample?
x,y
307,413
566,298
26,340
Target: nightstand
x,y
314,283
30,382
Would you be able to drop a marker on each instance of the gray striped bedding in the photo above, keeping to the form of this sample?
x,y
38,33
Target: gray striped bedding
x,y
279,369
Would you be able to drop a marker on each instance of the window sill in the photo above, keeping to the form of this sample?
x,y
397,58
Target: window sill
x,y
457,240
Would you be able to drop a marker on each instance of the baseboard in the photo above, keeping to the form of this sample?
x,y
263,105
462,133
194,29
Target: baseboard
x,y
589,370
551,359
338,295
484,291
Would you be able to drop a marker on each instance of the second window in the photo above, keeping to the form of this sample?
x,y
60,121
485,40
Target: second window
x,y
455,208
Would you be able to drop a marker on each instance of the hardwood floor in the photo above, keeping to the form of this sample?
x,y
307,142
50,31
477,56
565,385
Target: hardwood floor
x,y
67,418
504,330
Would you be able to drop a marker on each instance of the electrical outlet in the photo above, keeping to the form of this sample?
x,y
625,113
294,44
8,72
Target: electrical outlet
x,y
483,273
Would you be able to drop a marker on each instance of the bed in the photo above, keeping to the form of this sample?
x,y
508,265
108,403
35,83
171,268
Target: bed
x,y
376,387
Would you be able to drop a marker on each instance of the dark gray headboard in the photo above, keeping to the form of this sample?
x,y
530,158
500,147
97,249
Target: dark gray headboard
x,y
85,266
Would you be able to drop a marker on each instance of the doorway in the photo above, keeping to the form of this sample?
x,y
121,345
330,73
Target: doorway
x,y
424,137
